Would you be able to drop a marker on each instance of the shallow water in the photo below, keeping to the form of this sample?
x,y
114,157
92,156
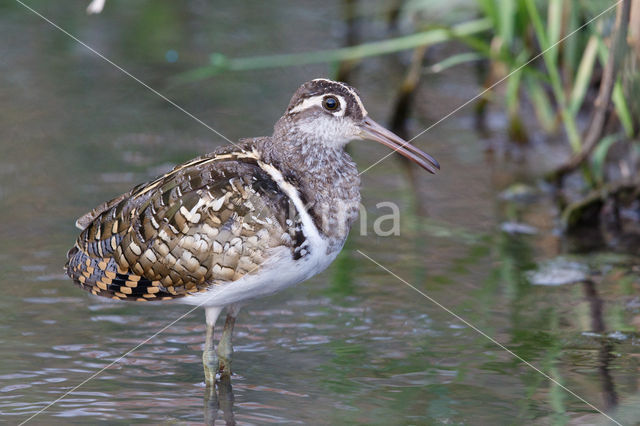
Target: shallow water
x,y
352,345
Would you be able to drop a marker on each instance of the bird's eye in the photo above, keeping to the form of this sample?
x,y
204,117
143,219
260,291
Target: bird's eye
x,y
330,103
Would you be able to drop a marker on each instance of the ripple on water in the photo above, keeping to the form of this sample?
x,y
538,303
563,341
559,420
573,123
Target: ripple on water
x,y
116,319
11,388
53,300
51,277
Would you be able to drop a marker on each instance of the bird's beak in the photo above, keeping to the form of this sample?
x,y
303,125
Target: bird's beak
x,y
373,131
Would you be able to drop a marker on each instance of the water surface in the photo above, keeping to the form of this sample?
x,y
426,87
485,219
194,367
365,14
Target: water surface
x,y
352,345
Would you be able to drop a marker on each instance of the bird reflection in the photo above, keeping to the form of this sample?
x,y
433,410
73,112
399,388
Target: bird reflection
x,y
605,353
217,397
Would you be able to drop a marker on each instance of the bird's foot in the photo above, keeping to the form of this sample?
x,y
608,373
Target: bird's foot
x,y
211,365
224,367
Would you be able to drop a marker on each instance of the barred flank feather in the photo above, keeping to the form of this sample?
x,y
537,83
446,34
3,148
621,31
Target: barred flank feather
x,y
207,222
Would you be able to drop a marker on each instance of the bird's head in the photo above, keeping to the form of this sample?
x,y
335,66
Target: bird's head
x,y
331,113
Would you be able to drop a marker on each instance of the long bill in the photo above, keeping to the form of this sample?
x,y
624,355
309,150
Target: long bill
x,y
373,131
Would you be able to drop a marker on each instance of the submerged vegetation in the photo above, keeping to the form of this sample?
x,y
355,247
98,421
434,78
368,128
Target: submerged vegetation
x,y
573,63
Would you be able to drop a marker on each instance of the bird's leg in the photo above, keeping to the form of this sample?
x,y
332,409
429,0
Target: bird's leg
x,y
209,356
225,348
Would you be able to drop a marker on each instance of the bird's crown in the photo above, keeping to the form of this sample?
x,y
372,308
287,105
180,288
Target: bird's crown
x,y
331,97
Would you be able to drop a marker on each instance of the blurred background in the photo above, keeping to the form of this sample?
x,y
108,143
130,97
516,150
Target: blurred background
x,y
530,231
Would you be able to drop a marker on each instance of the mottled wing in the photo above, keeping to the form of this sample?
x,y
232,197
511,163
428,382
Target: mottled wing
x,y
208,222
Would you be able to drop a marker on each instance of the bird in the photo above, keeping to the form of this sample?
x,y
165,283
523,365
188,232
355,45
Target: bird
x,y
242,222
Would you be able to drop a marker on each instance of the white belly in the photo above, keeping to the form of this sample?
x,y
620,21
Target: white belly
x,y
277,273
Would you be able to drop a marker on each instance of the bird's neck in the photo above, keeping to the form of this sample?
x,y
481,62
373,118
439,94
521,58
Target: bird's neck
x,y
326,178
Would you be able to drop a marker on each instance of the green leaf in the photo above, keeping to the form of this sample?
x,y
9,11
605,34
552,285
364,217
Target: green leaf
x,y
538,26
513,87
622,108
481,45
491,10
571,45
542,106
583,76
454,60
554,25
600,155
507,18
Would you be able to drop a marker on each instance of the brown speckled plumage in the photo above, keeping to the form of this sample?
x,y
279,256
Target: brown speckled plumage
x,y
242,222
218,218
208,221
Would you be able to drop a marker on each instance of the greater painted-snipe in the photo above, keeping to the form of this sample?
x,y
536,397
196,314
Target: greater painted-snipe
x,y
241,222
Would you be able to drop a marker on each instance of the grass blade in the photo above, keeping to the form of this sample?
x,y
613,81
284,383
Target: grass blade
x,y
554,25
220,63
452,61
583,76
624,113
571,45
568,118
542,105
600,155
507,18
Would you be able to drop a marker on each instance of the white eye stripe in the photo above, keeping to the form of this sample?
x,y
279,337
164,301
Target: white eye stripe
x,y
317,101
348,89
